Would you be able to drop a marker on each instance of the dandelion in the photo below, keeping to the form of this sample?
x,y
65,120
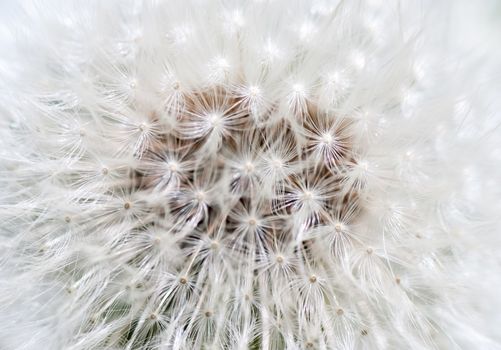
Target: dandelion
x,y
249,175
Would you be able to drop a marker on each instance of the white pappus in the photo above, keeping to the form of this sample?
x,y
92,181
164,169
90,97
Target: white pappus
x,y
262,174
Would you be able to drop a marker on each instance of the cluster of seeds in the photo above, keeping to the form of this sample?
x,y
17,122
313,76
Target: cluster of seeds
x,y
235,175
222,195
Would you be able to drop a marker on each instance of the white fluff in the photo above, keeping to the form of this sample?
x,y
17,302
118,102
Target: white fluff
x,y
267,174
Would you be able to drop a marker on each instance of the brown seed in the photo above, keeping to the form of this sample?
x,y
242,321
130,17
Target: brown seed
x,y
127,205
364,332
183,280
340,312
313,279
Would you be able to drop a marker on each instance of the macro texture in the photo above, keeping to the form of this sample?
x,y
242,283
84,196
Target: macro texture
x,y
283,174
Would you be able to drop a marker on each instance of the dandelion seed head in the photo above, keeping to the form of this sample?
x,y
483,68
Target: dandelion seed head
x,y
248,175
